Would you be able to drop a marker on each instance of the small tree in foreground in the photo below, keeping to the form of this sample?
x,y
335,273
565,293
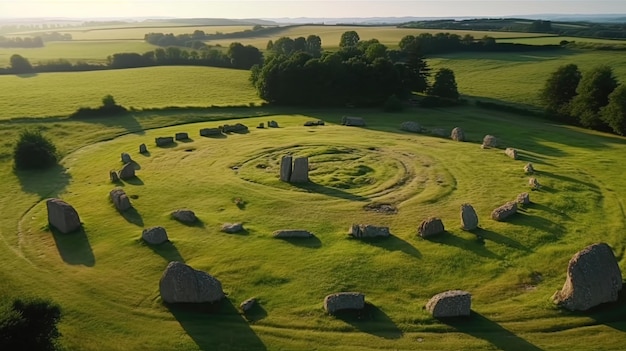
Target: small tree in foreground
x,y
34,151
29,325
444,85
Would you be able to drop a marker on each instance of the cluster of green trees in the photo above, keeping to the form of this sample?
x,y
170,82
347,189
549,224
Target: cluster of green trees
x,y
360,73
33,42
196,39
593,100
29,325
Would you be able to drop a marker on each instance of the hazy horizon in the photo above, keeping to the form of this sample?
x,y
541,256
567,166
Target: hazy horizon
x,y
300,8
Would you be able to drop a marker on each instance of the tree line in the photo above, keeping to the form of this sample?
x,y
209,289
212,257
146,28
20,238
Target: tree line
x,y
33,42
196,39
594,99
360,73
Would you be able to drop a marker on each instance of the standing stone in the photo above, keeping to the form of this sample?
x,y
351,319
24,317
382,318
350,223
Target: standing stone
x,y
285,168
529,169
533,183
438,132
181,136
292,233
352,121
489,141
261,125
185,216
247,305
210,132
154,235
143,149
469,218
114,177
126,158
182,284
62,216
272,124
232,228
411,126
344,301
457,134
523,199
300,173
593,277
163,141
511,152
127,171
503,212
119,199
368,231
431,226
452,303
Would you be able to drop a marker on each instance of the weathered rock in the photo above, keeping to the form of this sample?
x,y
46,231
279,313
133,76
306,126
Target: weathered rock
x,y
469,218
247,305
300,173
114,177
285,168
154,235
344,301
127,171
181,136
503,212
352,121
593,277
272,124
310,124
457,134
185,216
210,132
119,199
143,149
431,226
235,128
261,125
511,152
182,284
232,228
163,141
452,303
490,141
411,126
529,169
368,231
125,158
533,183
62,216
438,132
320,122
523,199
292,233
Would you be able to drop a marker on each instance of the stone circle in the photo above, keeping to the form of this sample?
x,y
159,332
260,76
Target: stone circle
x,y
247,304
360,231
62,216
292,233
125,158
181,136
181,283
529,169
451,303
154,235
127,171
411,126
430,227
163,141
511,152
457,134
232,228
503,212
490,141
143,149
523,199
120,199
344,301
352,121
469,218
185,216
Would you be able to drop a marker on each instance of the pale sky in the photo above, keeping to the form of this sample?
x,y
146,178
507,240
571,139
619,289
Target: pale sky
x,y
301,8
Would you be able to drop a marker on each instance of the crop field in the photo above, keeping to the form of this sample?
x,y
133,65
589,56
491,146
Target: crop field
x,y
106,280
555,40
55,94
139,32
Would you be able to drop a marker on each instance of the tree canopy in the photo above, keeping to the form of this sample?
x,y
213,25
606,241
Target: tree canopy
x,y
560,89
592,94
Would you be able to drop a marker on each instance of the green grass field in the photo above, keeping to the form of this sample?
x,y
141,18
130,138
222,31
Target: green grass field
x,y
554,40
150,87
107,281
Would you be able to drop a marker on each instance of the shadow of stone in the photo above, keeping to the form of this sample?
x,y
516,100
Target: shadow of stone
x,y
167,250
132,216
215,136
198,223
134,181
312,187
371,320
481,327
188,140
27,75
499,238
312,242
256,313
145,154
610,314
475,246
46,183
171,145
540,207
563,178
537,222
122,119
217,326
521,156
136,165
392,243
74,248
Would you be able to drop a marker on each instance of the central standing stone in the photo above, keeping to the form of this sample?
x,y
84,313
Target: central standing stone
x,y
300,172
285,168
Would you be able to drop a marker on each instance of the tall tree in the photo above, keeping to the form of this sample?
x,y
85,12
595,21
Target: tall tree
x,y
560,89
20,64
592,94
314,45
614,114
349,39
444,85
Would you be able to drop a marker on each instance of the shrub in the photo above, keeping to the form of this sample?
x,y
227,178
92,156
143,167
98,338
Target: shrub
x,y
34,151
108,107
29,325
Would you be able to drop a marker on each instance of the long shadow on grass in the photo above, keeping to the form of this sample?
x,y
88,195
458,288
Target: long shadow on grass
x,y
45,183
475,246
393,243
570,179
481,327
610,314
256,313
167,250
499,238
134,181
74,247
540,207
312,242
133,216
536,222
124,120
325,190
371,320
217,326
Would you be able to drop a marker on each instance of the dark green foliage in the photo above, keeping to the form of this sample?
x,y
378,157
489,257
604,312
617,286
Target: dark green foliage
x,y
560,89
349,38
34,151
29,325
592,94
393,104
244,57
20,64
108,108
444,85
614,114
